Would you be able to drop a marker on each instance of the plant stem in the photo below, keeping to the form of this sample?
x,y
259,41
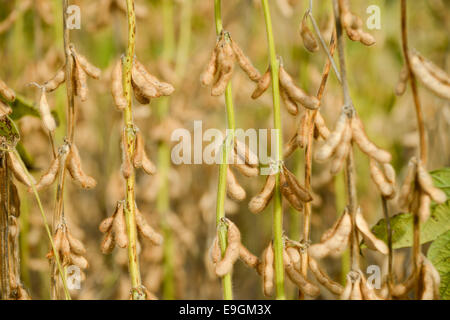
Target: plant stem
x,y
130,203
322,41
308,155
350,165
277,210
221,189
58,216
422,136
163,198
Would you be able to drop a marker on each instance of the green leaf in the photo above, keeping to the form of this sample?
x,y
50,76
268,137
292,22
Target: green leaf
x,y
441,179
9,135
22,107
439,255
437,224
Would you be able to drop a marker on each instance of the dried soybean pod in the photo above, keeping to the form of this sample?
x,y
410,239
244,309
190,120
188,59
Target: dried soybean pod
x,y
333,140
6,92
389,173
146,88
426,183
342,150
49,176
244,62
139,95
259,202
56,81
44,109
4,109
345,295
225,265
138,150
79,261
76,245
321,126
57,240
234,190
80,77
18,171
289,103
323,278
215,250
221,83
367,146
262,85
399,290
147,165
424,207
302,131
108,243
76,171
248,258
117,86
433,69
295,258
119,226
366,38
367,290
244,152
126,167
297,94
407,187
106,224
336,238
440,88
356,293
300,191
207,77
65,249
297,278
370,240
309,40
268,271
289,193
290,146
164,88
386,188
89,68
246,170
146,230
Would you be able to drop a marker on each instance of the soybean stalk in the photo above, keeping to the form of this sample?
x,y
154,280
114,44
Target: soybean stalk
x,y
277,209
133,258
58,216
221,189
308,154
350,162
422,137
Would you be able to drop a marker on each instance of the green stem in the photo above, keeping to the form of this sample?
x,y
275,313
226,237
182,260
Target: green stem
x,y
277,209
133,258
221,189
163,199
